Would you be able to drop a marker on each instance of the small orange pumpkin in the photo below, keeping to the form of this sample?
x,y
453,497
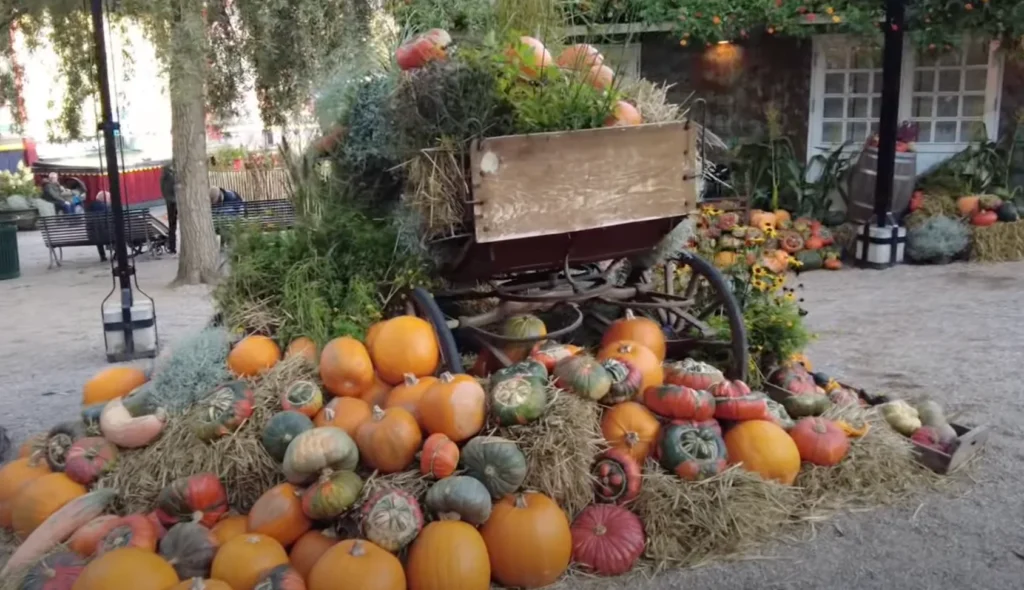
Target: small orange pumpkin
x,y
14,476
631,428
110,383
134,530
449,555
377,394
309,549
623,114
253,355
304,347
764,448
371,333
409,393
639,356
580,57
361,564
230,527
454,406
820,441
405,344
40,498
389,441
278,514
241,561
528,540
346,413
133,568
600,77
530,56
345,367
440,456
639,329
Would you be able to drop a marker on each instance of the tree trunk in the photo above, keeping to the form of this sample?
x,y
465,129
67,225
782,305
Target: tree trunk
x,y
198,253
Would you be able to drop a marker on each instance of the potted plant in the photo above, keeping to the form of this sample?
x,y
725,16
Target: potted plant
x,y
18,192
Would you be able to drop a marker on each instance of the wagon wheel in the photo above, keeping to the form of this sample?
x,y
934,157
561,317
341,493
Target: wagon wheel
x,y
687,301
421,303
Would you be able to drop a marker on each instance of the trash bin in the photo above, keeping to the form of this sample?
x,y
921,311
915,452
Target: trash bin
x,y
9,266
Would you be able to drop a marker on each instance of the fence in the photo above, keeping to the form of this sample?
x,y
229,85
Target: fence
x,y
255,185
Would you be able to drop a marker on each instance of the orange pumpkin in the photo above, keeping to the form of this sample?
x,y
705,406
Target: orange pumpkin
x,y
359,564
528,541
371,333
968,205
639,329
763,448
639,356
14,476
530,56
242,560
454,406
304,347
309,549
389,441
230,527
580,57
448,555
86,539
440,456
820,441
601,77
409,393
201,584
623,114
110,383
782,216
346,413
127,568
345,367
631,428
253,355
405,344
134,530
278,514
40,498
762,219
377,394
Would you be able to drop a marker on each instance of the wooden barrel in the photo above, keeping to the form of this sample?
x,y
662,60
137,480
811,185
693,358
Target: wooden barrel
x,y
863,178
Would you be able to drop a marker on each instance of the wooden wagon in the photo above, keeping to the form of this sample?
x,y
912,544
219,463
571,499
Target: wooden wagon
x,y
566,223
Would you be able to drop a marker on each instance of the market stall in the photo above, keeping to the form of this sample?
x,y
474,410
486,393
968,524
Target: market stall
x,y
140,177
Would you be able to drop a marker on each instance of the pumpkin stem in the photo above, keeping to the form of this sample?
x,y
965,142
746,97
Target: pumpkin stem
x,y
449,516
600,530
632,439
329,414
409,379
446,377
521,501
630,315
197,516
325,476
378,414
358,549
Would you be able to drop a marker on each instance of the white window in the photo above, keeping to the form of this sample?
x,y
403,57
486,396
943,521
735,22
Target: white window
x,y
952,96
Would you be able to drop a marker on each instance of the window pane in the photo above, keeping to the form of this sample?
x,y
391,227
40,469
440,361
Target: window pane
x,y
949,81
873,129
922,106
833,108
926,58
924,131
832,133
976,79
947,106
945,132
835,57
977,53
924,81
972,131
876,107
856,131
949,58
835,83
860,83
974,106
857,108
864,58
876,84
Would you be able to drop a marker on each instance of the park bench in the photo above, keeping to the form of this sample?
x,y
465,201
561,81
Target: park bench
x,y
143,232
273,214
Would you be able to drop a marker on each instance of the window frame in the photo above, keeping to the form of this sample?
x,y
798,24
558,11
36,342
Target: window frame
x,y
815,143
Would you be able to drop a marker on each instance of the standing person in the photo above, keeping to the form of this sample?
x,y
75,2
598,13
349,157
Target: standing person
x,y
56,195
167,181
98,226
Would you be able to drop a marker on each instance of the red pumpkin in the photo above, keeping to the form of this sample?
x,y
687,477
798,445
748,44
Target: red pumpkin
x,y
422,49
794,377
984,218
89,458
618,477
928,437
680,403
196,498
820,441
607,539
734,401
134,530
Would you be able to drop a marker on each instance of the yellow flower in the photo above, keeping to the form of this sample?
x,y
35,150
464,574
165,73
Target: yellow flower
x,y
830,10
836,19
759,270
771,233
790,297
795,263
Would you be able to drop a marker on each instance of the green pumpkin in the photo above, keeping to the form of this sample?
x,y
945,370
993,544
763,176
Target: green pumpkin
x,y
626,381
460,497
522,326
1008,212
497,462
332,495
692,452
778,414
529,367
139,401
223,410
91,416
316,450
583,375
281,430
808,404
810,259
519,399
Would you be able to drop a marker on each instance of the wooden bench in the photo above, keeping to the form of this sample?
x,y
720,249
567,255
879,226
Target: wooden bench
x,y
143,232
275,214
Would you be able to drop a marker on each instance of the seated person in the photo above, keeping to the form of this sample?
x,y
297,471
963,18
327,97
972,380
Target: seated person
x,y
98,228
227,200
57,195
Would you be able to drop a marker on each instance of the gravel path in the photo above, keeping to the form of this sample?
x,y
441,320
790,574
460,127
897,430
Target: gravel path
x,y
949,332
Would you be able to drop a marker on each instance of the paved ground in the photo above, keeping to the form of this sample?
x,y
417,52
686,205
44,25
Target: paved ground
x,y
952,332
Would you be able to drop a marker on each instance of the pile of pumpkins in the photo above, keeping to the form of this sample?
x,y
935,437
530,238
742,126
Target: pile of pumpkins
x,y
980,210
383,409
805,240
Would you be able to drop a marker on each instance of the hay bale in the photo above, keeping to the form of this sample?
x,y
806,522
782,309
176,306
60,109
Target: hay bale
x,y
1002,242
560,450
240,460
436,189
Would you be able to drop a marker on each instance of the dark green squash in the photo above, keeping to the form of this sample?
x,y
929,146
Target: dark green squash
x,y
1008,212
692,453
583,375
91,417
223,410
460,497
778,414
497,462
810,259
808,404
528,367
281,430
517,399
522,326
627,380
139,401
